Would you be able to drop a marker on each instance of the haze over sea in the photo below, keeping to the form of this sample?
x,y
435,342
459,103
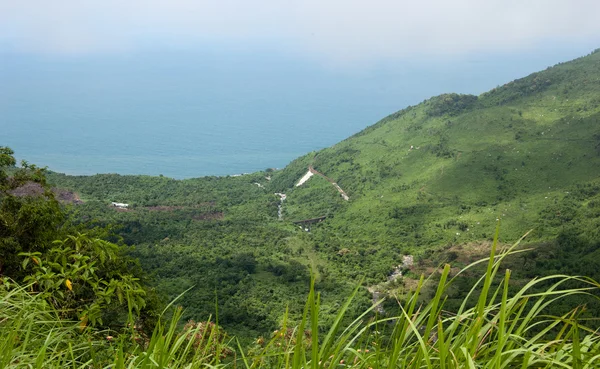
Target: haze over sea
x,y
214,113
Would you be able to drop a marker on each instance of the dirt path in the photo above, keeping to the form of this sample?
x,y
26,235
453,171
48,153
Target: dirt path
x,y
337,187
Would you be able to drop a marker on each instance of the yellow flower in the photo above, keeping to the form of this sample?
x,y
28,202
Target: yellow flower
x,y
83,323
69,285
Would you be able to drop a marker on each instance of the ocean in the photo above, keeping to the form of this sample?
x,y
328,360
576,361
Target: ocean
x,y
189,115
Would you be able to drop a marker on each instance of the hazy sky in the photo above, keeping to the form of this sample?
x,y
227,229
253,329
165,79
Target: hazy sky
x,y
334,32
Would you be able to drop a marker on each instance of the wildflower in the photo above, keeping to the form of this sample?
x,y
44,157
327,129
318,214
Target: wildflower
x,y
69,285
83,323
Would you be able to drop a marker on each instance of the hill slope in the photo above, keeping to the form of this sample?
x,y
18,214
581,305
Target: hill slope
x,y
435,176
443,171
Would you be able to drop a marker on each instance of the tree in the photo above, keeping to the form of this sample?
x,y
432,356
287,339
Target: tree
x,y
84,269
30,216
81,275
6,160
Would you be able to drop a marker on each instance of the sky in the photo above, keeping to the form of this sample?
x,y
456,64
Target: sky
x,y
355,34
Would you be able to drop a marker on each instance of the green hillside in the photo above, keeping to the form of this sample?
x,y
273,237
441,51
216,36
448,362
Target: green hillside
x,y
424,181
443,171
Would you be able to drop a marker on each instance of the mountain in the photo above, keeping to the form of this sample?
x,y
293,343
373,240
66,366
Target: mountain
x,y
445,170
427,183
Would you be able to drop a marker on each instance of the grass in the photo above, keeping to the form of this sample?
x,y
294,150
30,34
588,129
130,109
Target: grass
x,y
503,329
33,334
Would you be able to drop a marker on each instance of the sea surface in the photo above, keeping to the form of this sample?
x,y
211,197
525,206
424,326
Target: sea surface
x,y
190,115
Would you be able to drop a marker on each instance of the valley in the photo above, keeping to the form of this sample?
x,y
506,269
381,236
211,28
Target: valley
x,y
426,181
462,230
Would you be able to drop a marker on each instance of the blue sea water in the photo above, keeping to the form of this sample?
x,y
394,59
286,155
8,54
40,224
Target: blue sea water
x,y
190,115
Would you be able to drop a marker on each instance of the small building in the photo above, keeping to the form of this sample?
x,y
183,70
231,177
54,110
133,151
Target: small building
x,y
119,205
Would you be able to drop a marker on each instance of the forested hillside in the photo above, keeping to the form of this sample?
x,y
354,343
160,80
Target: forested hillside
x,y
430,181
221,238
371,253
443,171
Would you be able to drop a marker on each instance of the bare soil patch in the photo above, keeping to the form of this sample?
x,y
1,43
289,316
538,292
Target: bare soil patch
x,y
34,189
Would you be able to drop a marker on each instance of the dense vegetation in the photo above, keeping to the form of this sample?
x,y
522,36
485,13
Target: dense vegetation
x,y
502,330
82,275
420,181
430,181
218,237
